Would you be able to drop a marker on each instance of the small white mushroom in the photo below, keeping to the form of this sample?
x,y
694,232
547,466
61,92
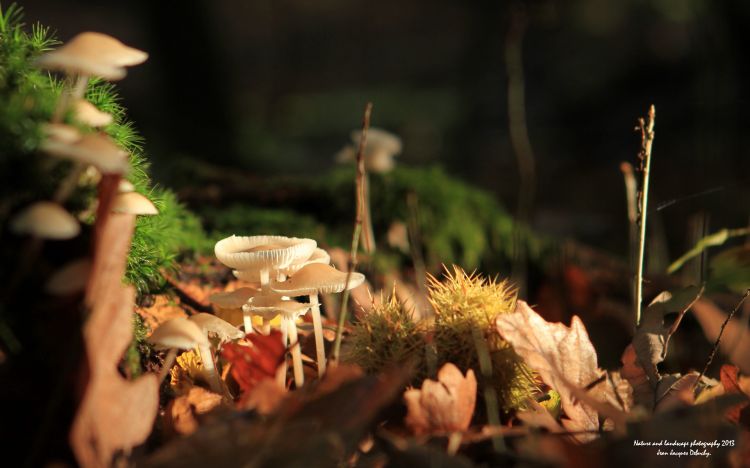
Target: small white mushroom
x,y
61,132
133,203
69,279
181,333
312,279
88,114
94,148
235,300
263,253
271,306
380,149
45,220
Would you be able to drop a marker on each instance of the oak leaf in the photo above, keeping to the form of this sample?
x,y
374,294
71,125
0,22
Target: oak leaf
x,y
563,356
252,364
443,406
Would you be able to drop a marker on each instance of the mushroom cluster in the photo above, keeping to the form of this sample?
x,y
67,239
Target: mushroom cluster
x,y
283,268
86,55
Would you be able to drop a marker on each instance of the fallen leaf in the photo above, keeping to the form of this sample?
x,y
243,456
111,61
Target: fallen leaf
x,y
536,415
181,414
252,364
733,383
162,308
563,356
443,406
265,397
675,391
114,414
651,338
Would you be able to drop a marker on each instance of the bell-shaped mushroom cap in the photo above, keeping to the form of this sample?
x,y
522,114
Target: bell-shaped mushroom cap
x,y
88,114
270,306
61,132
46,220
233,299
209,323
317,278
262,252
378,140
94,148
133,203
92,53
318,256
178,333
69,279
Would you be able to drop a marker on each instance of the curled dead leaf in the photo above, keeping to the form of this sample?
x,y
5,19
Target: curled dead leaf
x,y
182,413
443,406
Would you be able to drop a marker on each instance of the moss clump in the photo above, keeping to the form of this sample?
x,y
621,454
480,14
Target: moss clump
x,y
464,304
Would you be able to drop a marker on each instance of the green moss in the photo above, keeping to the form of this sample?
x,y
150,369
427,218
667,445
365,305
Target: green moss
x,y
28,97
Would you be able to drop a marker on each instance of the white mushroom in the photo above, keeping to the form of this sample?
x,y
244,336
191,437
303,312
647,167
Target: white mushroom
x,y
263,253
236,300
312,279
133,203
88,114
45,220
69,279
94,148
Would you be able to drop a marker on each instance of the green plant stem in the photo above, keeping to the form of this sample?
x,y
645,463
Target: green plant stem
x,y
360,186
647,141
490,394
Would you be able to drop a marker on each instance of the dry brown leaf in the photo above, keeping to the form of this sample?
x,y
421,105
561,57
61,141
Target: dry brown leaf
x,y
560,354
536,415
162,309
443,406
182,413
675,391
265,397
114,414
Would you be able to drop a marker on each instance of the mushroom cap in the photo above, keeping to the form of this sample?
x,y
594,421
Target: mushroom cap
x,y
318,256
94,148
125,186
91,53
272,305
88,114
61,132
46,220
378,140
315,278
179,333
69,279
209,323
133,203
262,252
233,299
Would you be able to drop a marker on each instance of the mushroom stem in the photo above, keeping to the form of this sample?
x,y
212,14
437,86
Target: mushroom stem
x,y
168,361
265,279
281,372
320,351
208,366
299,375
266,326
247,320
80,87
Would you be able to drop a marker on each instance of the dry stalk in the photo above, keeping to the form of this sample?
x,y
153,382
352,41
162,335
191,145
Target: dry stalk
x,y
358,219
631,190
646,127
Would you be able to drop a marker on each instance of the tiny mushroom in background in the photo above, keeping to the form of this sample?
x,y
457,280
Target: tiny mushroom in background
x,y
270,306
235,300
133,203
88,114
181,333
312,279
224,331
61,132
69,279
264,254
380,149
45,220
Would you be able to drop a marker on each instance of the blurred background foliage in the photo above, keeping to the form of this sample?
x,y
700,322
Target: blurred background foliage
x,y
274,87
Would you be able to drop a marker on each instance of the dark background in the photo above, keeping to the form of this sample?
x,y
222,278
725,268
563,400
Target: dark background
x,y
275,86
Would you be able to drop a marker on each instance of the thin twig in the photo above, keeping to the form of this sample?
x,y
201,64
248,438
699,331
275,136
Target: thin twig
x,y
718,338
519,139
490,394
646,127
631,189
361,207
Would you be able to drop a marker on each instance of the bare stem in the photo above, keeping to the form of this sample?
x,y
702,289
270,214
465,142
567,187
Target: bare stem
x,y
631,194
646,127
490,394
360,185
519,138
718,338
